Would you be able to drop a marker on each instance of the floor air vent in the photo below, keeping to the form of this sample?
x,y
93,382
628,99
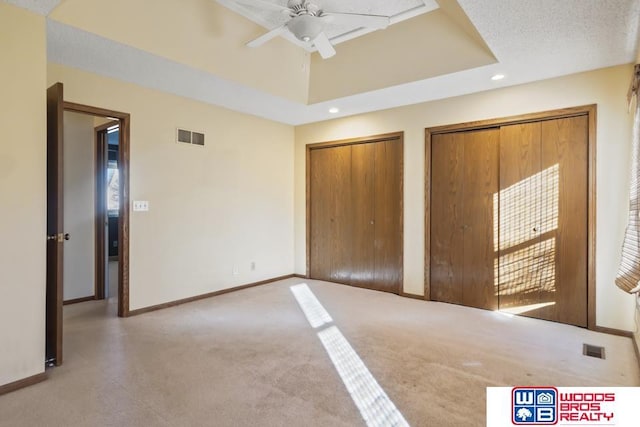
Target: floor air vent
x,y
593,351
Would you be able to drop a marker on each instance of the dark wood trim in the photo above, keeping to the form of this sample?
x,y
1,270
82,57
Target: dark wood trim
x,y
523,118
427,215
123,216
401,142
308,209
359,140
78,300
591,112
352,141
207,295
124,171
25,382
613,331
412,296
300,276
93,111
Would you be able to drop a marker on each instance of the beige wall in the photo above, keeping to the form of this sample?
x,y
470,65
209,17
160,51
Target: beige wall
x,y
227,204
79,205
606,87
22,193
637,325
200,33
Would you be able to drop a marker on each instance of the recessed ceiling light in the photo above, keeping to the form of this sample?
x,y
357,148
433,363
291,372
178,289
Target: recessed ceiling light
x,y
334,110
497,77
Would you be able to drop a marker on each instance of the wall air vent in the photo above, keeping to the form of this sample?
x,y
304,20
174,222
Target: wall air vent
x,y
184,136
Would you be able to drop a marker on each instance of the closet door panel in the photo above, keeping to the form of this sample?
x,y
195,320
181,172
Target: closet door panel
x,y
340,232
565,155
363,195
479,214
447,198
388,215
320,214
521,217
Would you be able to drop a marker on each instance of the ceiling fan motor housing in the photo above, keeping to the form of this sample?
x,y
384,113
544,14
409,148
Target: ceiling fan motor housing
x,y
305,27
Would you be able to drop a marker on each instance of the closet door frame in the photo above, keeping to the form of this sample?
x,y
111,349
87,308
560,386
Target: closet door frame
x,y
399,136
590,111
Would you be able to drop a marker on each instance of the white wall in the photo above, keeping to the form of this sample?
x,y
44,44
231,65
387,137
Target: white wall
x,y
22,193
79,205
227,204
606,87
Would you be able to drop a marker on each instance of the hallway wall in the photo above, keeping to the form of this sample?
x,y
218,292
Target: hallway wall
x,y
22,193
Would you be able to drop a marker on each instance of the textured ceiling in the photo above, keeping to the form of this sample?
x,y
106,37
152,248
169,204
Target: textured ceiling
x,y
41,7
531,40
559,33
397,10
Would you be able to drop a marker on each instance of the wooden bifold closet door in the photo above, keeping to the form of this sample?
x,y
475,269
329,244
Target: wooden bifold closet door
x,y
509,211
543,219
464,184
355,213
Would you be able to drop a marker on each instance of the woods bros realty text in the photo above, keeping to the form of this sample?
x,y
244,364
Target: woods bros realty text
x,y
563,406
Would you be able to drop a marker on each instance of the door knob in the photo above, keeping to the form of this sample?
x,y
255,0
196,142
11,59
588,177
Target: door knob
x,y
60,237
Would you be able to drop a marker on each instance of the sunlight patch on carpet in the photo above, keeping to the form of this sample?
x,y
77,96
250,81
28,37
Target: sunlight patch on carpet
x,y
375,406
311,307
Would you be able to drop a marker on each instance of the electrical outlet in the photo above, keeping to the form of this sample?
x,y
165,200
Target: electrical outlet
x,y
253,265
235,270
140,206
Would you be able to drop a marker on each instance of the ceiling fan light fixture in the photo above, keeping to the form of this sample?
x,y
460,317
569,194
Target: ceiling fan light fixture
x,y
305,27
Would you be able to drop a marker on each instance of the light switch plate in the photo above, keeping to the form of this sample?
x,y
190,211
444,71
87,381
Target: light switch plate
x,y
140,206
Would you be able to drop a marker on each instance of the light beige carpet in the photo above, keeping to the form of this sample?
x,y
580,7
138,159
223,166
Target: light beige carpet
x,y
250,358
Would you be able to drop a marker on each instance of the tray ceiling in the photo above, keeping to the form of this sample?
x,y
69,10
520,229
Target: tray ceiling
x,y
526,41
398,11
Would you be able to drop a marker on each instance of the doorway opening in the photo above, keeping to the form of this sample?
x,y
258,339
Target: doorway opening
x,y
107,137
90,175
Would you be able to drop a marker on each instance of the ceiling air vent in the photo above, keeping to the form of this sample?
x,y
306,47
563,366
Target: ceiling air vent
x,y
190,137
593,351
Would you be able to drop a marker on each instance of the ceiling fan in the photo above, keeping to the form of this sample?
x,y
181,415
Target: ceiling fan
x,y
307,23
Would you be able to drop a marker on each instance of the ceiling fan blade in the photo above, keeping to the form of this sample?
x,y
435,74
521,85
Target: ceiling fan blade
x,y
266,37
264,4
324,46
377,22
